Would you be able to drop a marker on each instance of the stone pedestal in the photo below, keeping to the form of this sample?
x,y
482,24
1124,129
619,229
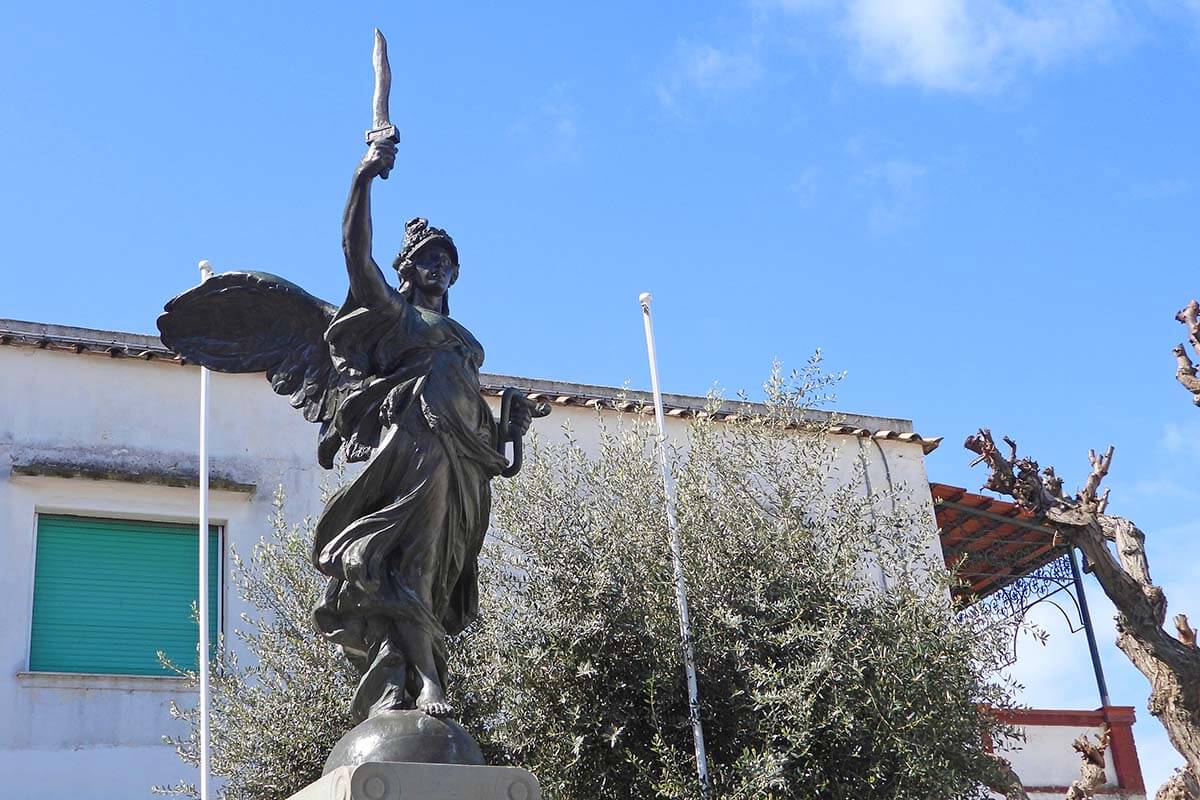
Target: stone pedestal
x,y
384,780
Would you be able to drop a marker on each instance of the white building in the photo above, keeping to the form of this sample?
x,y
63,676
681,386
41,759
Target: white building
x,y
98,476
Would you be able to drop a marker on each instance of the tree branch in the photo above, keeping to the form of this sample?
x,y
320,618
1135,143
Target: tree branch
x,y
1100,465
1091,767
1186,635
1189,315
1185,371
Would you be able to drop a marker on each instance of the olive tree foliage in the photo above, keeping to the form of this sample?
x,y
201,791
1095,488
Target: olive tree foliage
x,y
277,713
813,681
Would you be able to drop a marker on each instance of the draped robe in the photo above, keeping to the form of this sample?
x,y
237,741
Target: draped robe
x,y
400,542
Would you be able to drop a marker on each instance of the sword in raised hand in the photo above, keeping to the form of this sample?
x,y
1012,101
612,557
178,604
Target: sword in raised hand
x,y
382,129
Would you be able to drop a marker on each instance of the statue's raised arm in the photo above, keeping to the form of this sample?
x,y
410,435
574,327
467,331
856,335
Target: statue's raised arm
x,y
368,287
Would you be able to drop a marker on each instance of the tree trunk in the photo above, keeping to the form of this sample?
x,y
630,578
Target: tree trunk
x,y
1181,786
1173,701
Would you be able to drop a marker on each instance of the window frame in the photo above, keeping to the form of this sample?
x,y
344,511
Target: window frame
x,y
57,510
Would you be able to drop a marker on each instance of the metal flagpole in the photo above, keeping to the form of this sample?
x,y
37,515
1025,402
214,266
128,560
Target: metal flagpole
x,y
205,274
685,628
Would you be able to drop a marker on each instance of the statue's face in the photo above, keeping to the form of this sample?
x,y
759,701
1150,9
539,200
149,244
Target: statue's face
x,y
433,270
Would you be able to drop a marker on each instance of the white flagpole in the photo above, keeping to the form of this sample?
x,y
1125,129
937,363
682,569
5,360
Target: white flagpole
x,y
685,628
205,274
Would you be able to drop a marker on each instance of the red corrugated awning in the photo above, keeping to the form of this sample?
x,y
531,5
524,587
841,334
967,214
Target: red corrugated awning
x,y
991,542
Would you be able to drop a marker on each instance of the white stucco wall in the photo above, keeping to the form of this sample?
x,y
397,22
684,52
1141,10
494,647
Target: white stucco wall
x,y
1046,758
890,464
99,737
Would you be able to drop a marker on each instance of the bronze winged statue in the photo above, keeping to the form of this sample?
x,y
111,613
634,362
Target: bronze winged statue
x,y
393,381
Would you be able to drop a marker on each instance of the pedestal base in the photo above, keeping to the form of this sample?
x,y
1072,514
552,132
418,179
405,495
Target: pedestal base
x,y
407,736
403,781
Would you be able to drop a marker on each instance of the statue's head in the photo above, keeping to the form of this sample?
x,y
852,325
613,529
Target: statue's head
x,y
428,261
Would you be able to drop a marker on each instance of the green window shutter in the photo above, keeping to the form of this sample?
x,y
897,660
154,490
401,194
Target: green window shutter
x,y
108,594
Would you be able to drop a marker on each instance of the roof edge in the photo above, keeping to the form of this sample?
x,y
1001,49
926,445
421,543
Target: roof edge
x,y
121,344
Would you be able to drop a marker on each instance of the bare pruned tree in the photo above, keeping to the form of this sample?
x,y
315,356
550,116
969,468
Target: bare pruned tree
x,y
1114,550
1091,767
1185,373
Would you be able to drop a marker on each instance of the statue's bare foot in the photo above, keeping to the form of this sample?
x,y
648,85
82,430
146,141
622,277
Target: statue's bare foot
x,y
432,701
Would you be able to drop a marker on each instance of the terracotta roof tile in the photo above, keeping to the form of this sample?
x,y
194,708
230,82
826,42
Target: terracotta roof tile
x,y
991,542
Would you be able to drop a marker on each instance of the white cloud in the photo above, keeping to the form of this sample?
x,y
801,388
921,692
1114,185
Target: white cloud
x,y
959,45
968,46
947,45
700,67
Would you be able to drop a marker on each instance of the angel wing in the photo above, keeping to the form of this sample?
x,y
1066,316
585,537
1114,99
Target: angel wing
x,y
257,322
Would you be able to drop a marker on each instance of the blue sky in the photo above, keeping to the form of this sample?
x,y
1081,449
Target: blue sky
x,y
984,212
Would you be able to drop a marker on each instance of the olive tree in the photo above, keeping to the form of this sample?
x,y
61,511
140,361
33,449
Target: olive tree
x,y
832,661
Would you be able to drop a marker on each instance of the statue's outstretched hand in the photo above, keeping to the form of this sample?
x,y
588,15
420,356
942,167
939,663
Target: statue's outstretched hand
x,y
521,414
380,158
518,423
516,412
